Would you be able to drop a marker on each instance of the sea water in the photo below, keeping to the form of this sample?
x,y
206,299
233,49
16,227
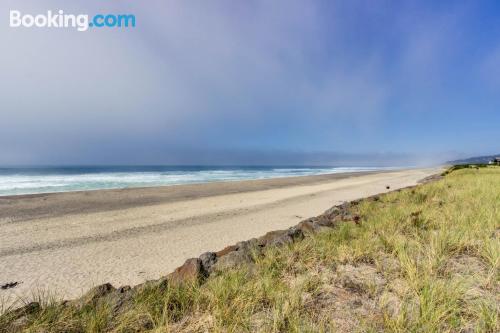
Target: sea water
x,y
30,180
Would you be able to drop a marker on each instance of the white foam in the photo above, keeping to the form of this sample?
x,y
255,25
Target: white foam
x,y
20,183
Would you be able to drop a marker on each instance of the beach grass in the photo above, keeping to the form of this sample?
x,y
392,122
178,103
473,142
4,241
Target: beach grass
x,y
423,259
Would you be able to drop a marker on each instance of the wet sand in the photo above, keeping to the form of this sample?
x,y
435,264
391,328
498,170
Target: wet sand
x,y
62,244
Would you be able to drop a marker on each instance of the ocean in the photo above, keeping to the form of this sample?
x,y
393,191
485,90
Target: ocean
x,y
31,180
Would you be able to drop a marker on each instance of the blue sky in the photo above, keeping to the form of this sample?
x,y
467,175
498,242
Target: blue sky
x,y
234,82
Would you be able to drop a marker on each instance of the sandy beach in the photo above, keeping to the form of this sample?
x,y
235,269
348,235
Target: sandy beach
x,y
63,244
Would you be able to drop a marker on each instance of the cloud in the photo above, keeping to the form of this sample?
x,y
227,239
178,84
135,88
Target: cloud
x,y
220,76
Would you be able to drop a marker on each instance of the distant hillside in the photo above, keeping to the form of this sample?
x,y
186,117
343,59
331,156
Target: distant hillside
x,y
478,160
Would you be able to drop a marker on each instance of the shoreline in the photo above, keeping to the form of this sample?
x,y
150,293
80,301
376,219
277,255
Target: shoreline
x,y
366,170
65,255
52,204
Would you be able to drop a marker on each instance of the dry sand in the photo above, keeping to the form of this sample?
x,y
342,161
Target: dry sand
x,y
63,244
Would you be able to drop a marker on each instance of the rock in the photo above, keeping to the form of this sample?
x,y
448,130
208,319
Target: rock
x,y
226,250
120,300
324,220
340,213
313,225
331,212
242,254
190,272
96,293
309,226
161,283
430,179
280,237
123,289
330,218
274,237
251,245
347,217
116,299
19,318
28,309
208,259
295,234
232,260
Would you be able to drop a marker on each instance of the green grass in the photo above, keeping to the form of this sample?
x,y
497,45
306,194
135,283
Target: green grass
x,y
424,259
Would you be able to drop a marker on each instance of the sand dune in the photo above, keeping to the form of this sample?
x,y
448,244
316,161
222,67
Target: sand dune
x,y
64,244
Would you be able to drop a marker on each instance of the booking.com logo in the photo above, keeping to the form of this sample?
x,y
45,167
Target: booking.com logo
x,y
81,22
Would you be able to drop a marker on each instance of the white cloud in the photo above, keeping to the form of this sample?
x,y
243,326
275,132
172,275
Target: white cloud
x,y
216,74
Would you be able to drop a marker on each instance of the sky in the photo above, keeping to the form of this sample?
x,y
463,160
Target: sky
x,y
252,82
